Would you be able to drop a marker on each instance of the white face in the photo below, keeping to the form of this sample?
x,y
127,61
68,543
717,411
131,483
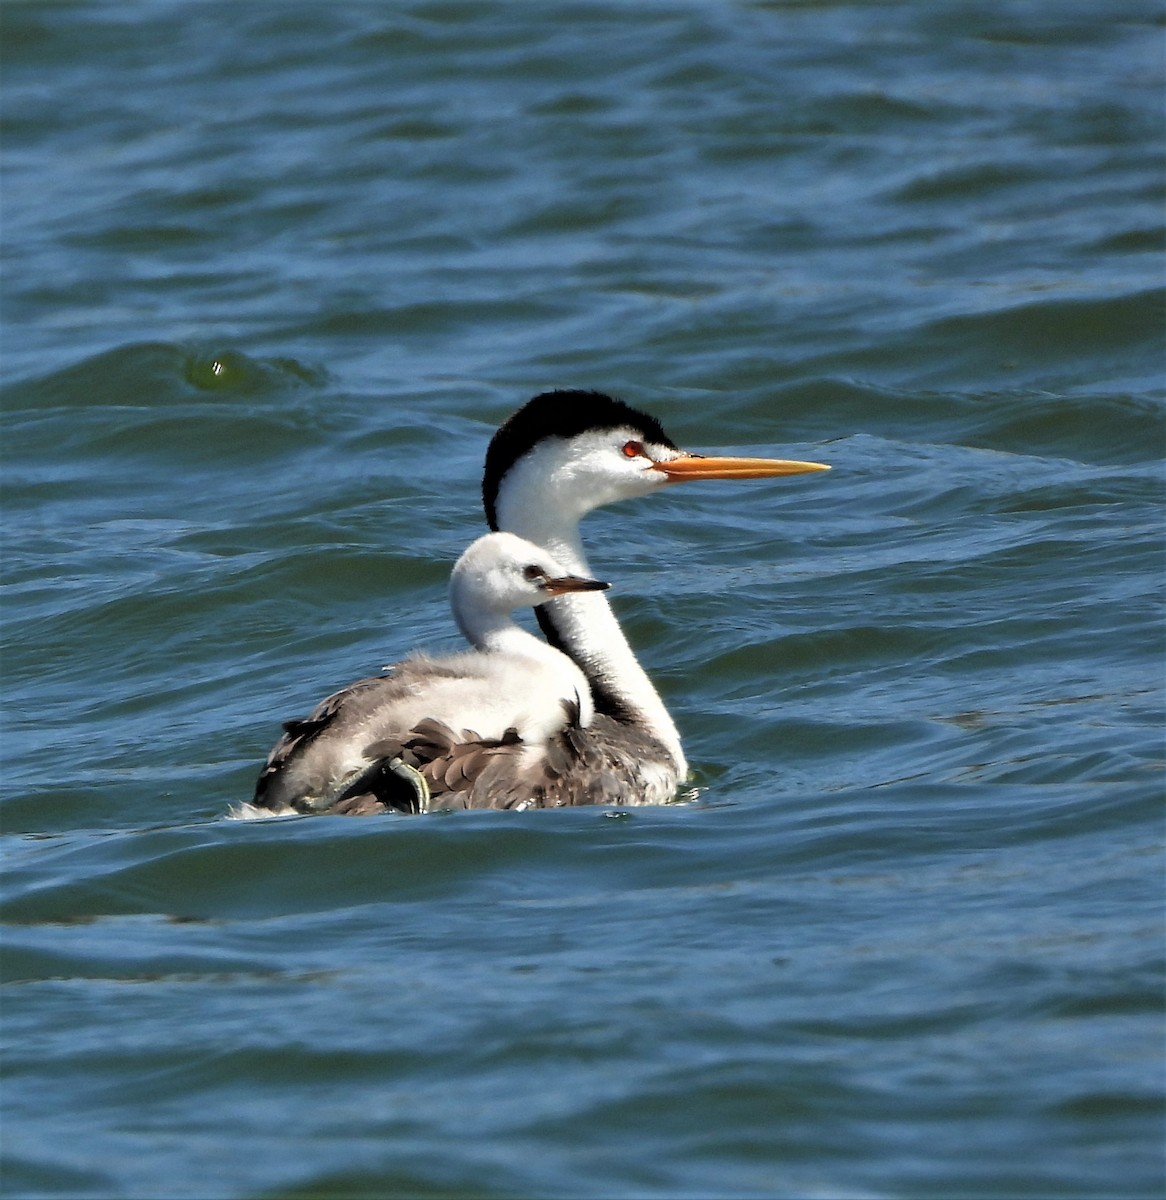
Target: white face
x,y
560,481
501,572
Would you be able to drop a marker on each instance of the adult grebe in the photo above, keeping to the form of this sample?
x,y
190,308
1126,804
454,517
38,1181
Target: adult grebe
x,y
558,457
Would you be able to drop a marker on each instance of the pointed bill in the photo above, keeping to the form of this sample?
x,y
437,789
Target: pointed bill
x,y
573,583
697,466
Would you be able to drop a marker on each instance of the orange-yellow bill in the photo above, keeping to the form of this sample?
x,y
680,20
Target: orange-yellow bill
x,y
696,466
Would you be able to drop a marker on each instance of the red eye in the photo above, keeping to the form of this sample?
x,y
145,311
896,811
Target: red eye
x,y
633,449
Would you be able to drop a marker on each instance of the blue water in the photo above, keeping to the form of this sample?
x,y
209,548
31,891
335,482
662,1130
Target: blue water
x,y
272,274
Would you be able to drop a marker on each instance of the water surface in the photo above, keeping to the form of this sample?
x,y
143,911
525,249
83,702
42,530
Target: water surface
x,y
272,275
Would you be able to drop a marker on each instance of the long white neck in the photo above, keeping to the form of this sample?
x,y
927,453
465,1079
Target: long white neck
x,y
590,634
